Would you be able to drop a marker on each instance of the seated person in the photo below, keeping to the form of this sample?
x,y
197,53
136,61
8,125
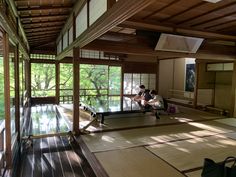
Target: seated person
x,y
157,101
146,97
138,97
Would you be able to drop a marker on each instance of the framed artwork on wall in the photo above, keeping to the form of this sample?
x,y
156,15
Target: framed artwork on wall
x,y
190,77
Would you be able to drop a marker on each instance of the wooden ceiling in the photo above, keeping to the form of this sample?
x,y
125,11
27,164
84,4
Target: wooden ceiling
x,y
199,18
43,20
195,14
215,22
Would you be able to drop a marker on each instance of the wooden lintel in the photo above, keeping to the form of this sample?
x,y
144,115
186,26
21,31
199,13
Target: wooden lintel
x,y
176,30
120,11
41,8
7,26
142,50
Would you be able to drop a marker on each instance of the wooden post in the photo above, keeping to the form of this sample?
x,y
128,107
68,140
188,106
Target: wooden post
x,y
110,3
7,100
196,84
76,87
157,75
28,78
232,105
122,85
17,92
57,83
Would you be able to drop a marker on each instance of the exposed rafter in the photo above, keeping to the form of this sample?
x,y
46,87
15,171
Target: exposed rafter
x,y
40,22
126,48
42,8
44,16
175,30
121,11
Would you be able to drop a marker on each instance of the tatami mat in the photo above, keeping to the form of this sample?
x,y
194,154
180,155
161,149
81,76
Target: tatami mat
x,y
189,154
119,121
148,136
194,173
228,121
135,162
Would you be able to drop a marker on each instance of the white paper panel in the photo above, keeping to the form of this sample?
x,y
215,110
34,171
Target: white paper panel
x,y
96,9
81,21
59,47
65,40
71,35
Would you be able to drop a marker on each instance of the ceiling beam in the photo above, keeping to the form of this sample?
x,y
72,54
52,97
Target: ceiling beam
x,y
44,16
176,30
42,33
42,8
43,26
145,50
42,37
40,22
120,11
41,29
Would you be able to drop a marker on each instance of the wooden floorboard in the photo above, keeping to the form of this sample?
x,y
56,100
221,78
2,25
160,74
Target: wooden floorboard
x,y
54,157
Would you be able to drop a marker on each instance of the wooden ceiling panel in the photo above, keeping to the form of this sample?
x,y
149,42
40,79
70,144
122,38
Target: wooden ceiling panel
x,y
195,14
218,24
210,9
156,7
44,19
175,8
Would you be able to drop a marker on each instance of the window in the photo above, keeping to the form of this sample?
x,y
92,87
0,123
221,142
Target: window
x,y
132,81
42,80
66,83
12,86
100,84
2,105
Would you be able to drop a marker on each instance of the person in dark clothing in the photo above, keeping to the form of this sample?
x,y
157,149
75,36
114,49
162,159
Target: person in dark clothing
x,y
140,94
146,97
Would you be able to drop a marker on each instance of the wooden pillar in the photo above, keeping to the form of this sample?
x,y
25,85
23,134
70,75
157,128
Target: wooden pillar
x,y
76,87
196,84
74,27
17,92
157,75
7,100
232,112
28,78
57,83
110,3
122,85
88,9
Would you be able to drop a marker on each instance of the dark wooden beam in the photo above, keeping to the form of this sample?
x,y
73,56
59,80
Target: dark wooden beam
x,y
44,16
42,33
40,22
144,50
44,26
175,30
120,11
42,30
42,8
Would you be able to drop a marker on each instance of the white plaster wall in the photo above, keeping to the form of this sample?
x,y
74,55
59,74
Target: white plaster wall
x,y
223,90
165,77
